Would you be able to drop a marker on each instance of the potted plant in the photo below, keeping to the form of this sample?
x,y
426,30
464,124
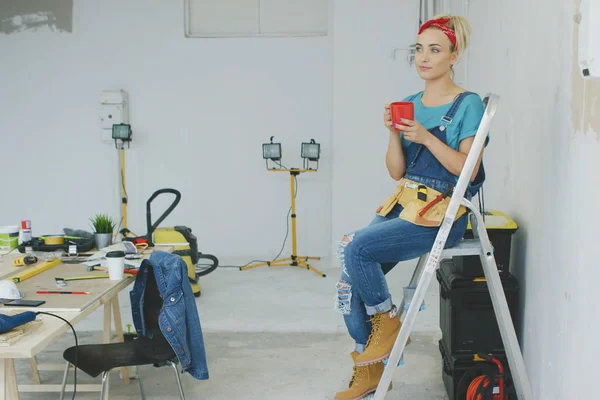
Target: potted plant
x,y
103,230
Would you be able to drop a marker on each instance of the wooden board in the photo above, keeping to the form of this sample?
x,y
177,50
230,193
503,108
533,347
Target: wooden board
x,y
7,268
13,336
65,302
6,264
45,281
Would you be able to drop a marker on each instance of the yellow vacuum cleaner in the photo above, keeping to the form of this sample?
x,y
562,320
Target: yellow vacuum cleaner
x,y
182,239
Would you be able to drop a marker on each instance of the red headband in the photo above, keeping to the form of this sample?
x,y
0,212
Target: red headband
x,y
440,23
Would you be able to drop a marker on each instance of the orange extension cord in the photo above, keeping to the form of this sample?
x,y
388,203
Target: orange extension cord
x,y
483,381
474,386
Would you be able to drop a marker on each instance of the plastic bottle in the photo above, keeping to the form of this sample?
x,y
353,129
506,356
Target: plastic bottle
x,y
25,232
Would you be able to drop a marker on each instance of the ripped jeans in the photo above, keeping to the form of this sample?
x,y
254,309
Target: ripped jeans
x,y
371,252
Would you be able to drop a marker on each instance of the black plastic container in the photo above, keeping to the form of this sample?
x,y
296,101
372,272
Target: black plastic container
x,y
500,229
459,371
467,319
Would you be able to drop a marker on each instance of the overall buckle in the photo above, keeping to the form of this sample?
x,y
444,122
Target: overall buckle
x,y
447,120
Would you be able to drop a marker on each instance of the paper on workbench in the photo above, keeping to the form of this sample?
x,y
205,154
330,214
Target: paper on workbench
x,y
133,264
127,247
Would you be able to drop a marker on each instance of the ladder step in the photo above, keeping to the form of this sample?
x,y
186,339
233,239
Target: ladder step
x,y
466,247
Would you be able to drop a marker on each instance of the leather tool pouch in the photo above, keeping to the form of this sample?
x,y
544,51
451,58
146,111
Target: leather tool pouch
x,y
406,195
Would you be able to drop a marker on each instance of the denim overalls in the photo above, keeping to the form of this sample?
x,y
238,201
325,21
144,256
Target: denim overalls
x,y
371,252
423,167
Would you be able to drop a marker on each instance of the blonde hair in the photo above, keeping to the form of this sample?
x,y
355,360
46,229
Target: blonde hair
x,y
462,28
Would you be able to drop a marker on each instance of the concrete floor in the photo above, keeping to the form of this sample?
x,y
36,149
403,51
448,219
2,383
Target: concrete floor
x,y
272,333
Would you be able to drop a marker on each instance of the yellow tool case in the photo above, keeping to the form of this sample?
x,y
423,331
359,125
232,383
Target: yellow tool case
x,y
500,229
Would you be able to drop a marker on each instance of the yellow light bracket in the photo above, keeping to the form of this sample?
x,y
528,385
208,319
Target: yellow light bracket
x,y
295,260
123,133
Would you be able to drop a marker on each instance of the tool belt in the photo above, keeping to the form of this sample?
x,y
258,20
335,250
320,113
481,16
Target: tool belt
x,y
421,204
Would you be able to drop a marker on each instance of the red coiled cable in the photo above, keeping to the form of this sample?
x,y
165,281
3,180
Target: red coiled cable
x,y
483,381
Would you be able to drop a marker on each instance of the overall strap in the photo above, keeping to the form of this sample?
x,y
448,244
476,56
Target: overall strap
x,y
447,119
414,96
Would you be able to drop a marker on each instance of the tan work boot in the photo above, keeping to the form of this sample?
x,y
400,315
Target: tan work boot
x,y
364,381
386,326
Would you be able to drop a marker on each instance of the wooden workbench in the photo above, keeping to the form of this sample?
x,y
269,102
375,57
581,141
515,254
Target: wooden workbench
x,y
73,308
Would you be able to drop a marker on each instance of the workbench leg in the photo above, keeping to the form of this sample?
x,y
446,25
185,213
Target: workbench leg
x,y
106,333
3,363
106,337
8,380
119,331
35,373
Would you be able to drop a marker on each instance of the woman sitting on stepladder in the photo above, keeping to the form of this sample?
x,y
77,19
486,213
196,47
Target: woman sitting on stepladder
x,y
426,155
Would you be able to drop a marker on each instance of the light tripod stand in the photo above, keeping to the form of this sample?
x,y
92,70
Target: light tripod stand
x,y
295,260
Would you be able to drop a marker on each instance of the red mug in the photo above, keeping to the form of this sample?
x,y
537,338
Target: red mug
x,y
402,109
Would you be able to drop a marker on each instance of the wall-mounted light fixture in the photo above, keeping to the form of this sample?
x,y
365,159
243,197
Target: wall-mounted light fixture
x,y
121,132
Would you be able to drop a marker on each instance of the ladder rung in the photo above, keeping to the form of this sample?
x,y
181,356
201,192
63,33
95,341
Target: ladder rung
x,y
466,247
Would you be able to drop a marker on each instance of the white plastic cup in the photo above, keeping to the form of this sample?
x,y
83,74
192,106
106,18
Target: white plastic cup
x,y
115,261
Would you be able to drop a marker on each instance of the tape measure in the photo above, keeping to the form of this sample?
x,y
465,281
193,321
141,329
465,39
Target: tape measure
x,y
25,260
54,240
422,192
86,277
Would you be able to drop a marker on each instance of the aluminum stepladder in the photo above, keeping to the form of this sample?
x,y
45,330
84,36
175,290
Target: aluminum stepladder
x,y
481,246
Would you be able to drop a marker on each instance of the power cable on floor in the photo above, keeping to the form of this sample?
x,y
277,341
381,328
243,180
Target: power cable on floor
x,y
287,231
76,345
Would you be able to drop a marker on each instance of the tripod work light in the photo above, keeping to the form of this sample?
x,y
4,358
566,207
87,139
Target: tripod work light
x,y
272,151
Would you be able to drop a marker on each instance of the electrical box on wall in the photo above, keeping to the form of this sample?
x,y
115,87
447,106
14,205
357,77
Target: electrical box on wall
x,y
589,43
113,110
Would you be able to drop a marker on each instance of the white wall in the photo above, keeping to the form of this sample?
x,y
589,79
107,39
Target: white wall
x,y
200,111
365,78
542,168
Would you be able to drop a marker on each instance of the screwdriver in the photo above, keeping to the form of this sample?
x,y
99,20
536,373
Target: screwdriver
x,y
435,201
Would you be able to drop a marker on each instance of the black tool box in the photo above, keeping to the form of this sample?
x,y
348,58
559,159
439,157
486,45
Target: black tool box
x,y
500,229
467,319
458,371
84,244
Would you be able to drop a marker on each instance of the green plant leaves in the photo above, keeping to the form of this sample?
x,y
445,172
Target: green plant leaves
x,y
102,223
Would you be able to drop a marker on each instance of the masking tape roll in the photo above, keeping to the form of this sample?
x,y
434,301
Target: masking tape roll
x,y
52,240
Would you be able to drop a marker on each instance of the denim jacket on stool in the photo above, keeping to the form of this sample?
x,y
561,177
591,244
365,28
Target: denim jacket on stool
x,y
178,319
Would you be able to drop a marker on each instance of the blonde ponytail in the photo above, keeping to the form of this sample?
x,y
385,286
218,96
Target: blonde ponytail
x,y
462,28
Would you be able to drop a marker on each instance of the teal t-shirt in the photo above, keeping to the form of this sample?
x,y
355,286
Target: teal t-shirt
x,y
464,124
